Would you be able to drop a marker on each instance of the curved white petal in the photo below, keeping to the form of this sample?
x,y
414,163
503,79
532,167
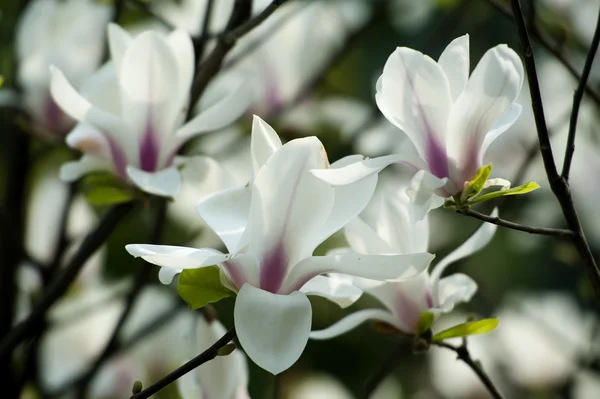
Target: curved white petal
x,y
356,171
89,141
118,42
74,170
352,321
263,144
422,194
350,200
502,124
273,329
289,206
478,240
222,113
492,88
454,289
182,47
176,257
337,288
80,109
414,94
167,274
226,213
165,183
363,239
374,267
455,63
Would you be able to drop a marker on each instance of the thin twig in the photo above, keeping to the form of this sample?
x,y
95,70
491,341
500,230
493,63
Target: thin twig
x,y
559,186
463,354
551,47
200,42
140,281
61,283
577,98
516,226
202,358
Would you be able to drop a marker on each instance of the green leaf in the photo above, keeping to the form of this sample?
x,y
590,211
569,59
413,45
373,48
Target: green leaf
x,y
469,328
199,287
425,322
226,350
475,186
522,189
1,80
109,195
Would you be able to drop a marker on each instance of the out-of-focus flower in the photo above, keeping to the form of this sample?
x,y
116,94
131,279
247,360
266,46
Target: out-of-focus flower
x,y
224,377
270,265
390,232
450,117
132,111
68,34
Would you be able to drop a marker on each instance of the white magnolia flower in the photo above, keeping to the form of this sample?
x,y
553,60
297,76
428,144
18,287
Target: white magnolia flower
x,y
270,265
391,233
450,117
225,377
131,112
68,34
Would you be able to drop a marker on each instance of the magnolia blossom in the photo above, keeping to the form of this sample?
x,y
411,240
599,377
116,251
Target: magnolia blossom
x,y
450,117
68,34
225,377
131,112
270,266
390,232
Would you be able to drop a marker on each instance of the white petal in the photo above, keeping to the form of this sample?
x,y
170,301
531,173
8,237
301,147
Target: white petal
x,y
350,200
230,106
183,49
455,63
177,257
352,321
454,289
74,170
502,124
289,206
414,94
263,144
118,42
165,183
492,88
363,239
478,240
374,267
337,288
273,329
226,213
422,194
357,171
167,274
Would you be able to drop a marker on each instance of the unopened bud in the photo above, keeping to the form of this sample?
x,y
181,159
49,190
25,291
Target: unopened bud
x,y
137,387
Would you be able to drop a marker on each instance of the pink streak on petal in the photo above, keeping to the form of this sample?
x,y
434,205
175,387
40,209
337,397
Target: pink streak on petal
x,y
118,156
235,273
273,269
149,150
407,311
436,157
429,300
55,119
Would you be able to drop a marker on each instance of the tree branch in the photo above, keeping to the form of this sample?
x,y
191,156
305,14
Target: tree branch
x,y
559,186
59,286
516,226
202,358
463,354
577,98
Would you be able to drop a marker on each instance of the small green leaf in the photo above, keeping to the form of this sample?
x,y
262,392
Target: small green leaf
x,y
469,328
522,189
109,195
202,286
475,186
226,350
1,80
137,387
425,322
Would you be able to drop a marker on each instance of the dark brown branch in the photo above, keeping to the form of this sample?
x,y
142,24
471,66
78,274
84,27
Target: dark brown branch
x,y
516,226
559,186
202,358
61,283
463,354
577,98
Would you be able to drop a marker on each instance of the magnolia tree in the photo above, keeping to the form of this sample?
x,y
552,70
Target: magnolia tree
x,y
218,128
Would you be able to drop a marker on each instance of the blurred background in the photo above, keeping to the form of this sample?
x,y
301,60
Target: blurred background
x,y
314,64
